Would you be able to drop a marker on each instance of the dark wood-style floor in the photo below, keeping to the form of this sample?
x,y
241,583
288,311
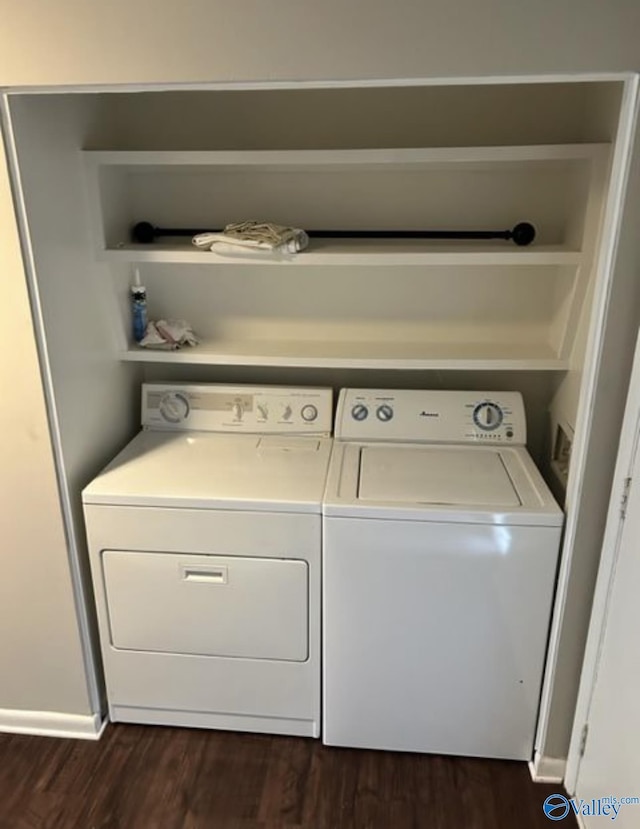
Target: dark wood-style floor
x,y
139,777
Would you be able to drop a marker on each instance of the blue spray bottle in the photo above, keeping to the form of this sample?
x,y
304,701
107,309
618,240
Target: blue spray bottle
x,y
139,308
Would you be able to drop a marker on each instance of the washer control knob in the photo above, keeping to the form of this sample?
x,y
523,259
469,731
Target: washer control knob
x,y
238,411
174,407
309,413
287,412
359,412
487,416
263,410
384,412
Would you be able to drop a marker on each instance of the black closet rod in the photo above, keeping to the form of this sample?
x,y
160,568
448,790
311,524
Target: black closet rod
x,y
522,234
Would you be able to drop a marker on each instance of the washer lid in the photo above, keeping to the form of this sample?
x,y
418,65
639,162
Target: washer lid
x,y
497,485
454,477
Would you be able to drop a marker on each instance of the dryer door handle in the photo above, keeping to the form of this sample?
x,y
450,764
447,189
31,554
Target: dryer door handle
x,y
214,574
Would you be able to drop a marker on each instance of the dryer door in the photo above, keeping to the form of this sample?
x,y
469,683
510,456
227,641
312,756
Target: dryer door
x,y
228,606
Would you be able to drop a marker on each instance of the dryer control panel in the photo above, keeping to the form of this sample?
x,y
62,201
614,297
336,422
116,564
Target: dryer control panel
x,y
431,416
213,407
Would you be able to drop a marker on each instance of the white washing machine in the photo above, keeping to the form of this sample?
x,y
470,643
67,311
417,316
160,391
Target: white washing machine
x,y
440,552
205,545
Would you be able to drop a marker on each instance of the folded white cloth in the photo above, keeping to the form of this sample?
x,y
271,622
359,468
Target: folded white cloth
x,y
232,251
264,236
168,335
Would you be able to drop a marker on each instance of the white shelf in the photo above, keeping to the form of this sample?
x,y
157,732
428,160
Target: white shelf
x,y
488,298
368,252
379,355
480,188
361,158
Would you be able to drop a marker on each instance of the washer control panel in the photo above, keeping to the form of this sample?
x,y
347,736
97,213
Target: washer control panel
x,y
431,416
215,407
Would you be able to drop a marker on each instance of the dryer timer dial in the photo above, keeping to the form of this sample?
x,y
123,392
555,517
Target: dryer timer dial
x,y
487,416
174,407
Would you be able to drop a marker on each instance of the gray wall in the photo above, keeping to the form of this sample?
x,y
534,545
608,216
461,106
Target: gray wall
x,y
73,41
41,659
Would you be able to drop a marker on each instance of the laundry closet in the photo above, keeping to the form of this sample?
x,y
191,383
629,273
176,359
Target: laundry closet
x,y
485,314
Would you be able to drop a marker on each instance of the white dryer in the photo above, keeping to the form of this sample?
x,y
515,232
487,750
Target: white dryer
x,y
440,548
205,545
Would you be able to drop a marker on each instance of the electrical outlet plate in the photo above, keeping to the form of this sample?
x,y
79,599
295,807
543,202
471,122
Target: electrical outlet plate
x,y
561,454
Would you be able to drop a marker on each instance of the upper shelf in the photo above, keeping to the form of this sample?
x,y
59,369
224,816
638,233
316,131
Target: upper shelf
x,y
449,188
353,252
308,159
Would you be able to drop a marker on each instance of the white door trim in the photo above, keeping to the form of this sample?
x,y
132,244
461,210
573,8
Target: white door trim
x,y
329,83
621,164
606,573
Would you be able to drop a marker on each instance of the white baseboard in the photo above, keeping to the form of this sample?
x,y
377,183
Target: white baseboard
x,y
52,724
547,769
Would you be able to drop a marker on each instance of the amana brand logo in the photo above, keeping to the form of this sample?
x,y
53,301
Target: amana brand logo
x,y
429,414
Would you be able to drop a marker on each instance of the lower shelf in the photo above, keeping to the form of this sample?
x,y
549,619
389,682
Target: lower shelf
x,y
373,355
